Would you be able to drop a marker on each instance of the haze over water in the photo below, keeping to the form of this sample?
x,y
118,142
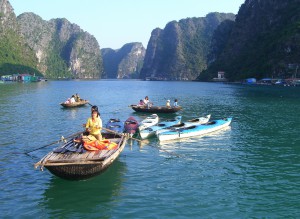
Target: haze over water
x,y
250,170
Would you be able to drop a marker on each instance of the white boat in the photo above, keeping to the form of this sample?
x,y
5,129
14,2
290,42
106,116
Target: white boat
x,y
147,132
195,130
196,121
148,121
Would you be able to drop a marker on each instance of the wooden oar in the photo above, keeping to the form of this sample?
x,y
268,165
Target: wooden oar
x,y
174,154
55,142
109,130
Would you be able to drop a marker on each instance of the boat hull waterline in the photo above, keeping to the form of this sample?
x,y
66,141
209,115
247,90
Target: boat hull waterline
x,y
76,104
156,109
79,166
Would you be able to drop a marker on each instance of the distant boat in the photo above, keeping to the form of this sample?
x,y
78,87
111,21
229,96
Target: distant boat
x,y
75,165
75,104
194,130
42,79
156,109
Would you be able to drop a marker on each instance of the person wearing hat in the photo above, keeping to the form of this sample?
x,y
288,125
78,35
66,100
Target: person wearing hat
x,y
168,104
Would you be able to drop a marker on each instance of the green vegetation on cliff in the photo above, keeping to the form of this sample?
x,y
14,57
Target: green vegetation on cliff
x,y
263,42
125,62
180,50
56,66
15,57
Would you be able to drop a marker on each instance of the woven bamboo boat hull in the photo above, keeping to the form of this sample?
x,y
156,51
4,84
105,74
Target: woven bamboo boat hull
x,y
76,166
76,104
77,171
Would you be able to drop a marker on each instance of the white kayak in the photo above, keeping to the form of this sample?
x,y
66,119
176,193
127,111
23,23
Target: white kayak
x,y
195,130
196,121
148,121
147,132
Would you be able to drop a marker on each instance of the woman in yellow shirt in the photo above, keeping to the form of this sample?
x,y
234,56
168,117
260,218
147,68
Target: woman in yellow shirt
x,y
94,125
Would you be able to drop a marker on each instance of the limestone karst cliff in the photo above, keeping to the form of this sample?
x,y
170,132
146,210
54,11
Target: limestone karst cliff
x,y
180,51
264,41
63,49
125,62
15,55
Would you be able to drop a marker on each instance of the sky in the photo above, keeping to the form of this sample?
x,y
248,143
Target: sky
x,y
117,22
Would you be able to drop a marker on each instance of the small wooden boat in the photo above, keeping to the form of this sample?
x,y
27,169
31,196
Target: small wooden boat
x,y
156,109
75,104
148,121
71,161
196,121
194,130
131,125
167,123
115,125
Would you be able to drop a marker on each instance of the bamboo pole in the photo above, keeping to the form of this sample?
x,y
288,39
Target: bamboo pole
x,y
55,142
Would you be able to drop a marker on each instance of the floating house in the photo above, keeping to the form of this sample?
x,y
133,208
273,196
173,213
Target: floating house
x,y
221,76
21,78
6,77
27,78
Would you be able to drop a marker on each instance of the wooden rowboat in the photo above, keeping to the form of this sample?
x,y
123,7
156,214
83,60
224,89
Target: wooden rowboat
x,y
75,104
156,109
70,163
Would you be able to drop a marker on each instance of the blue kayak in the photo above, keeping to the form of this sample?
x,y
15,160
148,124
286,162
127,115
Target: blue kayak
x,y
194,130
115,125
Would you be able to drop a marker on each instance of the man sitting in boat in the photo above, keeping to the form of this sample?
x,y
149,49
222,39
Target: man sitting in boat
x,y
175,103
168,104
141,103
94,125
72,100
147,102
77,98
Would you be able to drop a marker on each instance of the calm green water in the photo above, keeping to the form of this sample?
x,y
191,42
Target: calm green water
x,y
250,170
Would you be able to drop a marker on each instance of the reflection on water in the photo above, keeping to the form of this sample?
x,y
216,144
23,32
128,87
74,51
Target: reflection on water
x,y
73,112
75,198
254,163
